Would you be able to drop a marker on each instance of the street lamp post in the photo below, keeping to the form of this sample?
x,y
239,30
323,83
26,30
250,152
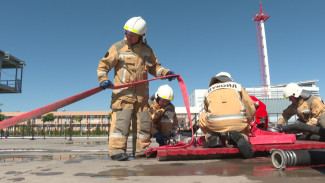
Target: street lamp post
x,y
70,129
33,121
65,125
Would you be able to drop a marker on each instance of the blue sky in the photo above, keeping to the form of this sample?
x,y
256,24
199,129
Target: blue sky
x,y
62,41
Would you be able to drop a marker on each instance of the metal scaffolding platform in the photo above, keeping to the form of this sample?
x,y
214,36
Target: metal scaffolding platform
x,y
11,73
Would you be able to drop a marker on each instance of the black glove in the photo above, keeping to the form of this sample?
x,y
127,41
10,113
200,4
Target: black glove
x,y
170,73
160,139
106,84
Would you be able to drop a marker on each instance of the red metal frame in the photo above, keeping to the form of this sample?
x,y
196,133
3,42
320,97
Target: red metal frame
x,y
262,141
198,152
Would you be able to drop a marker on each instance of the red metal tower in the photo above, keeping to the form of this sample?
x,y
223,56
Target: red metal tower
x,y
259,19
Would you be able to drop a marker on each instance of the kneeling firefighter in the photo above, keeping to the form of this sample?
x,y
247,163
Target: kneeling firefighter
x,y
229,110
164,120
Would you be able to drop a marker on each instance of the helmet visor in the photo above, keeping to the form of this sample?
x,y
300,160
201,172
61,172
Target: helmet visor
x,y
223,78
133,32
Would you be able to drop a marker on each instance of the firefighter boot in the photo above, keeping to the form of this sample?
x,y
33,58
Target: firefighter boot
x,y
245,148
120,157
213,141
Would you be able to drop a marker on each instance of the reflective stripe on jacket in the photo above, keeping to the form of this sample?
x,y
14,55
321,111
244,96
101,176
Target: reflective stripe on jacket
x,y
228,107
130,63
163,119
308,110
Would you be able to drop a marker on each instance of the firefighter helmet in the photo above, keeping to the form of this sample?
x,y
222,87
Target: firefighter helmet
x,y
165,92
292,89
136,25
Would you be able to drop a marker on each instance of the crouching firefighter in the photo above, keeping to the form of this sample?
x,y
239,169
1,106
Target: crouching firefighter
x,y
229,110
310,109
164,120
132,60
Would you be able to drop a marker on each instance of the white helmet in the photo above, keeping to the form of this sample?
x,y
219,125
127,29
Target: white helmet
x,y
222,76
165,92
292,89
136,25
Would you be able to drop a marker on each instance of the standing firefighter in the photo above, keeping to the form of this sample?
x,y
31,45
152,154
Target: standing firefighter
x,y
229,110
309,108
131,59
163,114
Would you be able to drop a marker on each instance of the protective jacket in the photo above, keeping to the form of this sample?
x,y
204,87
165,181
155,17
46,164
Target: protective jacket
x,y
131,63
310,110
163,119
228,107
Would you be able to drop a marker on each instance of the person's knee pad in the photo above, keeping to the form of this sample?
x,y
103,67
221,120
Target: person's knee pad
x,y
145,122
123,121
321,121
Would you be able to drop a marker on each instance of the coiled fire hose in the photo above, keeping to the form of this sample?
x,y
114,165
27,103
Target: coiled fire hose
x,y
288,158
54,106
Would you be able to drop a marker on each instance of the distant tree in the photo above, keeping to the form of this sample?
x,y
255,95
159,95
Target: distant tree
x,y
47,118
79,119
28,128
109,117
97,131
2,117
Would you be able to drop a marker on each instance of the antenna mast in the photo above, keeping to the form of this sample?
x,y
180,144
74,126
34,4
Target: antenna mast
x,y
259,19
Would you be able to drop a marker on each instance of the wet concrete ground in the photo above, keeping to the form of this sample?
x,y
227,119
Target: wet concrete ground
x,y
86,160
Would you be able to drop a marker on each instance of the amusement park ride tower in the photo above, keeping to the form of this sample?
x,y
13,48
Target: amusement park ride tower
x,y
259,19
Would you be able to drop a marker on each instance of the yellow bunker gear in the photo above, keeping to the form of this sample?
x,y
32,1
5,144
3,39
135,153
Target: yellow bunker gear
x,y
310,110
163,119
228,107
131,63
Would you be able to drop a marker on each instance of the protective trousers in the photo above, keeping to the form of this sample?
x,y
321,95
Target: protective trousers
x,y
120,128
320,122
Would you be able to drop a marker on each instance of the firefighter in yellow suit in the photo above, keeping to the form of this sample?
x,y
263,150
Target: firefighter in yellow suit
x,y
229,110
309,108
163,114
131,59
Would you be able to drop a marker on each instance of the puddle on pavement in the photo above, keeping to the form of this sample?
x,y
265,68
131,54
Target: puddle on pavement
x,y
85,143
252,168
47,173
54,157
226,167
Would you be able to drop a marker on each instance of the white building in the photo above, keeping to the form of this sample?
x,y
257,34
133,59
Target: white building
x,y
276,91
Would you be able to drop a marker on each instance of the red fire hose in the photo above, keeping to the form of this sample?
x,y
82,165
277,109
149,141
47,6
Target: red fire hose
x,y
54,106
